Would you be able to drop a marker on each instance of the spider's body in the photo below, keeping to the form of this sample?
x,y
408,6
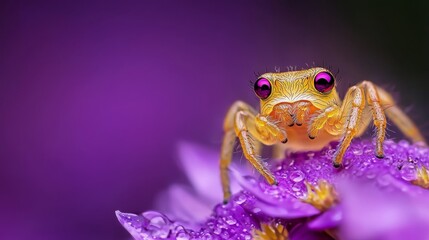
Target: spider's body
x,y
301,110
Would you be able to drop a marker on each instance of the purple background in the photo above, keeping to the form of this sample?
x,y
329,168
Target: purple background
x,y
95,95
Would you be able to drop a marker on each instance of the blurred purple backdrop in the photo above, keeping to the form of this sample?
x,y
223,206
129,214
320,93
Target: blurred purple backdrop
x,y
95,94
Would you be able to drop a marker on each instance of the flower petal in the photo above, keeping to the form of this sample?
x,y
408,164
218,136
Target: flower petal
x,y
201,166
302,232
180,202
288,208
327,220
372,214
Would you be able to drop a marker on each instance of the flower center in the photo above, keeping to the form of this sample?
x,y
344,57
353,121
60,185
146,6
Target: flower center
x,y
322,196
422,179
271,231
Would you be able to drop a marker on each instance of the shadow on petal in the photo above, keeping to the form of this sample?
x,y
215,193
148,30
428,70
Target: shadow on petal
x,y
302,232
329,219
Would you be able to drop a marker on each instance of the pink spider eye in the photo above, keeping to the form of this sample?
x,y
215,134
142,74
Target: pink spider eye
x,y
262,88
324,82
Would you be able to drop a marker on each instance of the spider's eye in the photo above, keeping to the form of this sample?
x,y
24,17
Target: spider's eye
x,y
324,82
262,88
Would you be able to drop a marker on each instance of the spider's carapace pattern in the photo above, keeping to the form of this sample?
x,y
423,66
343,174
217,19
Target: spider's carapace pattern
x,y
301,110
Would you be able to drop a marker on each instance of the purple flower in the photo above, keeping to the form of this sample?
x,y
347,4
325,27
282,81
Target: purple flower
x,y
369,198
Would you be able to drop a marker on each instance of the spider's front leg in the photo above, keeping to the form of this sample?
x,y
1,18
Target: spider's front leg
x,y
242,122
353,106
342,120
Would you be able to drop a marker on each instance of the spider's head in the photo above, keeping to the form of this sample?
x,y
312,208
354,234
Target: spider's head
x,y
315,85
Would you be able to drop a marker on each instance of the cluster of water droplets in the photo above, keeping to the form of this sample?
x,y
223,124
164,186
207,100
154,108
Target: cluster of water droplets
x,y
401,162
228,221
238,218
153,225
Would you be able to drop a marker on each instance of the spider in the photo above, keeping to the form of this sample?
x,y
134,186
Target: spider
x,y
301,110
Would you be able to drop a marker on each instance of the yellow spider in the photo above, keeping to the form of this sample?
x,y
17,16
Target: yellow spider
x,y
301,110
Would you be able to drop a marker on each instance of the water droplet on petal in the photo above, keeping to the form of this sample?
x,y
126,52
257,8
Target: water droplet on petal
x,y
207,236
408,172
182,235
217,231
404,143
296,187
317,166
256,210
357,152
297,176
371,173
241,199
383,180
230,220
273,191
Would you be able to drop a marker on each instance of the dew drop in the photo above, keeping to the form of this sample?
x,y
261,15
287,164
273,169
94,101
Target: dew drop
x,y
256,210
408,172
230,220
297,176
217,231
404,143
273,191
383,180
371,174
182,236
296,187
368,150
307,168
240,199
207,236
357,152
225,235
210,225
317,166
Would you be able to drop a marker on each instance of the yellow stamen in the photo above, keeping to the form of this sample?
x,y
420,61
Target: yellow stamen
x,y
322,196
273,231
422,179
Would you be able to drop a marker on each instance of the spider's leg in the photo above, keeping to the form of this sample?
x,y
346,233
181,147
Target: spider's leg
x,y
377,115
319,121
228,144
365,120
267,131
398,117
353,105
245,127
